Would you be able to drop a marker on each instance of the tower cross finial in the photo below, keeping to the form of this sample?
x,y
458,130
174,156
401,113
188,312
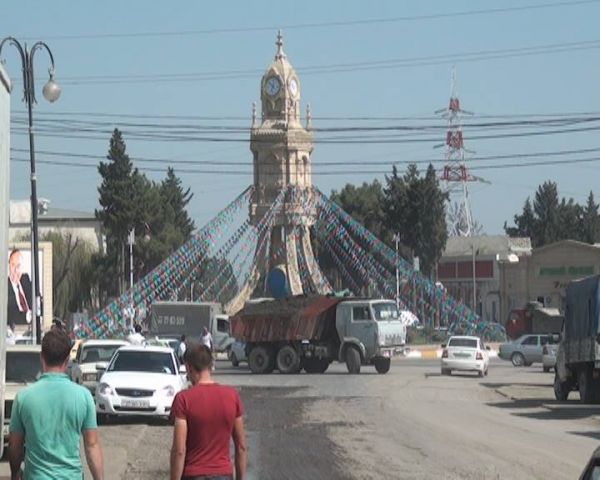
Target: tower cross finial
x,y
280,54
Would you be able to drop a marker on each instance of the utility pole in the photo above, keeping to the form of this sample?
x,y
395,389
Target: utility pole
x,y
474,279
397,240
131,243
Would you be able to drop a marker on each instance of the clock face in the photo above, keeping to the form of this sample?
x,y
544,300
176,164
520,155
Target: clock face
x,y
273,86
293,87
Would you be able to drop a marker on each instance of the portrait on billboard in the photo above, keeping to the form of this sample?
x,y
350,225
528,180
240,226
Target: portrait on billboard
x,y
19,288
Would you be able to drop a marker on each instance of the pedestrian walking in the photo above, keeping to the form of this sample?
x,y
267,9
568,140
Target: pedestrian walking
x,y
207,338
206,417
50,417
181,348
136,338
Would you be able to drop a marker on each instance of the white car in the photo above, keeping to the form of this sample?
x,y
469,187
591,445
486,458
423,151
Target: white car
x,y
465,354
549,356
23,367
89,354
140,380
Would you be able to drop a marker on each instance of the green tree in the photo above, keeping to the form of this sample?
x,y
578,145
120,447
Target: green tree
x,y
525,223
365,204
175,201
72,280
591,221
550,218
129,200
415,207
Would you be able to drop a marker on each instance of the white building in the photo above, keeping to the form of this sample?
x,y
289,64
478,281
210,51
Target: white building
x,y
81,225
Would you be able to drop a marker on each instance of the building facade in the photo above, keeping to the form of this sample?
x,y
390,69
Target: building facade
x,y
472,270
82,226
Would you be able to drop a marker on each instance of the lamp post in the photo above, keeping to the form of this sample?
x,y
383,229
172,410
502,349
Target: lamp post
x,y
397,240
51,92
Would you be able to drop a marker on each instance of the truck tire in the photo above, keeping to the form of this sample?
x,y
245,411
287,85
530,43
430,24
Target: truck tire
x,y
586,385
353,360
316,365
517,359
382,365
561,389
288,360
261,360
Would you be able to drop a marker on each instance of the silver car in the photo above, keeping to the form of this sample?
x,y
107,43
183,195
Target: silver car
x,y
525,350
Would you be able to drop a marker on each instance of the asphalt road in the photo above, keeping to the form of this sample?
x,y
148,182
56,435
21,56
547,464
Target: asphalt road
x,y
409,424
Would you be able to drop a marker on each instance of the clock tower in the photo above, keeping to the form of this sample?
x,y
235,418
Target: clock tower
x,y
281,147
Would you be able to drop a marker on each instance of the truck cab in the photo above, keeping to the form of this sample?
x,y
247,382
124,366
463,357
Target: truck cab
x,y
370,332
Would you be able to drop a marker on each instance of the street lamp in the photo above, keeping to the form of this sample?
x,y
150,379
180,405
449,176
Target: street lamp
x,y
397,240
51,92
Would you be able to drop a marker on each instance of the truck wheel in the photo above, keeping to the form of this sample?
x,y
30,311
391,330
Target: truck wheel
x,y
561,389
382,365
316,365
261,360
234,361
288,360
586,386
517,359
353,360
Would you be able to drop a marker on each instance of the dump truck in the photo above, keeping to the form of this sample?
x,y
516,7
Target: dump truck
x,y
578,357
534,318
310,332
189,318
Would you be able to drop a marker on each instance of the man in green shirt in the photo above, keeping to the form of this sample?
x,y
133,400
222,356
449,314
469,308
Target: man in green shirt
x,y
48,419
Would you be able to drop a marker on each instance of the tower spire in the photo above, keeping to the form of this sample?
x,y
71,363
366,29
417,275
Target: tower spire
x,y
280,54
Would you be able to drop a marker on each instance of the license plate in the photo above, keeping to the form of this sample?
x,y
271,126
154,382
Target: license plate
x,y
462,355
126,403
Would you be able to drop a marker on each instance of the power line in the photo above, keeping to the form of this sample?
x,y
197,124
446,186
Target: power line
x,y
326,172
364,162
370,65
298,26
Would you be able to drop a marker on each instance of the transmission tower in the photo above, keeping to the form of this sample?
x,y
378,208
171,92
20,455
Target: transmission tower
x,y
455,175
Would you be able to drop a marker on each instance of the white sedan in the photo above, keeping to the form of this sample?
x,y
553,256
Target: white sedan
x,y
140,380
466,354
89,354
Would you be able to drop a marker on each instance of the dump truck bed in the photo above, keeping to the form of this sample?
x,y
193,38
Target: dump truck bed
x,y
287,319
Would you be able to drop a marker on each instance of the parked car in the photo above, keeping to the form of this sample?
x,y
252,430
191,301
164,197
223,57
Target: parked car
x,y
525,350
23,367
140,380
465,354
549,356
238,353
89,354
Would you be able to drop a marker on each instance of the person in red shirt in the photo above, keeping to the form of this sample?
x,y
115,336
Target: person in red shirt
x,y
206,417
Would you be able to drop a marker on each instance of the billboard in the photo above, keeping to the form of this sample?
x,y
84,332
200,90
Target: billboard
x,y
20,293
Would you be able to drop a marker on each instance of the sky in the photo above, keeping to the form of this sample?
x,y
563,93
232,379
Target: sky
x,y
111,57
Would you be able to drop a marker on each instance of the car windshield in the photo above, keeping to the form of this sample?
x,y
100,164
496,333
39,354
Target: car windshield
x,y
463,342
385,311
139,361
98,353
23,367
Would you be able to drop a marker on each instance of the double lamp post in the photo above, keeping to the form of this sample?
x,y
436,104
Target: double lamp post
x,y
51,92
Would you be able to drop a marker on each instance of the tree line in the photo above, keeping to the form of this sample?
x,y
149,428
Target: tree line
x,y
548,218
412,205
